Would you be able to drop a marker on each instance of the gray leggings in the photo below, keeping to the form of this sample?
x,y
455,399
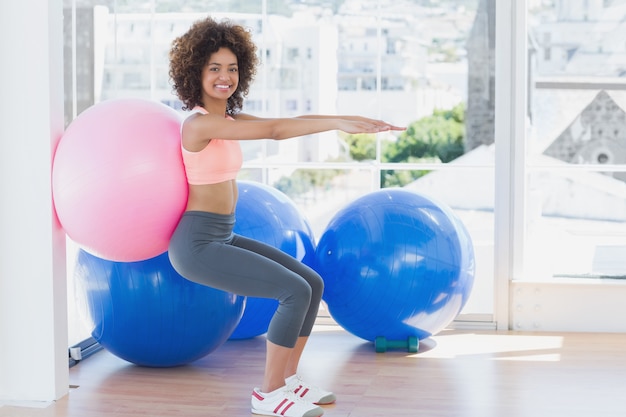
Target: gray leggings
x,y
205,250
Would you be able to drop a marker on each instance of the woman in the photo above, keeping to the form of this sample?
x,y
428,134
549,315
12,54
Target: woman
x,y
212,66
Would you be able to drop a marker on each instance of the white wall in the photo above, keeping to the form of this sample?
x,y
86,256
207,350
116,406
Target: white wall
x,y
568,305
33,305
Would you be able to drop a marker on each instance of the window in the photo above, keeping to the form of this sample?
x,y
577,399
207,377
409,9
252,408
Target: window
x,y
436,77
291,105
577,148
292,54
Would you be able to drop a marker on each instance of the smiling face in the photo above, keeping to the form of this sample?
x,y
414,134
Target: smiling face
x,y
220,76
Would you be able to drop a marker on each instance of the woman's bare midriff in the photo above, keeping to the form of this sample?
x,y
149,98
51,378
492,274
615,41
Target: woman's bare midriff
x,y
218,198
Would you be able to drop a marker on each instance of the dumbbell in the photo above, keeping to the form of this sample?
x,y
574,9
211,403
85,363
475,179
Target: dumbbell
x,y
381,344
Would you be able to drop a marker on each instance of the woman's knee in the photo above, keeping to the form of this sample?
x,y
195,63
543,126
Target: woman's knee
x,y
317,284
304,292
298,292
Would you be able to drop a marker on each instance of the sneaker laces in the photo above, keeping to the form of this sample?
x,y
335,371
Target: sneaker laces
x,y
283,403
309,392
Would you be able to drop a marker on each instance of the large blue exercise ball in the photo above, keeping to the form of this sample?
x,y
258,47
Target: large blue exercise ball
x,y
268,215
146,313
396,264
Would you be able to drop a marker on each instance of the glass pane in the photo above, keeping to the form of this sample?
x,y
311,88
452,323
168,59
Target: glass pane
x,y
407,68
576,225
318,193
469,192
577,140
82,71
115,49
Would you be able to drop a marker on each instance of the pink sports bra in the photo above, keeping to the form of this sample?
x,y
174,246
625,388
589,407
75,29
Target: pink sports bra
x,y
219,161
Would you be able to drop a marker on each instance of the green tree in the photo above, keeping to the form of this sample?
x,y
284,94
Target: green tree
x,y
362,146
303,181
435,138
400,178
438,136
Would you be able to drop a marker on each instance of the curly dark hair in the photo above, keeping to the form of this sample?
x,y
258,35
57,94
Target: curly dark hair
x,y
191,51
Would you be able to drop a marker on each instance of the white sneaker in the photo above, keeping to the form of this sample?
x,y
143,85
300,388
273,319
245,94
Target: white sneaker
x,y
283,403
309,392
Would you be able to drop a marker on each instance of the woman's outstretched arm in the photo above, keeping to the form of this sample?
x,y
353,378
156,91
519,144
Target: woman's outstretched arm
x,y
245,116
199,129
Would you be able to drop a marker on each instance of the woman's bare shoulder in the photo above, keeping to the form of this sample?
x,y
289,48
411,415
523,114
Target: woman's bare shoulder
x,y
246,116
196,130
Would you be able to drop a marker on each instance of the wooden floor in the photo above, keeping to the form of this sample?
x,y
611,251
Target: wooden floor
x,y
455,373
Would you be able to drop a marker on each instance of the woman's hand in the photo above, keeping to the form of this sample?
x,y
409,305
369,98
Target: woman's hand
x,y
368,125
365,125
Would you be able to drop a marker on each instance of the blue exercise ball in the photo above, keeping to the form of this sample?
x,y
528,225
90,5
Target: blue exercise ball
x,y
268,215
396,264
146,313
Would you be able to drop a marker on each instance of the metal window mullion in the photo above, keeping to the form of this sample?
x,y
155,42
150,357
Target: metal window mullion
x,y
510,136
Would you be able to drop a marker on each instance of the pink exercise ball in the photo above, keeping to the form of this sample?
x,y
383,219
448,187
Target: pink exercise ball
x,y
118,180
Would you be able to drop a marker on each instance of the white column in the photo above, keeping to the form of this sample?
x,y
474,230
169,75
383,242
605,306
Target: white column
x,y
510,139
33,300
